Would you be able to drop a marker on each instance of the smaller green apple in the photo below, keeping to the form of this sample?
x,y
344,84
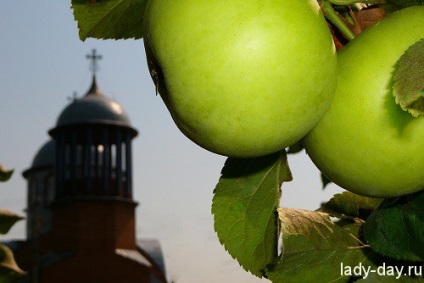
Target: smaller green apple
x,y
366,143
241,78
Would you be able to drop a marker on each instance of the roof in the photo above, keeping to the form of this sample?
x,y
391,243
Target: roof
x,y
94,107
141,256
133,255
43,159
151,249
45,155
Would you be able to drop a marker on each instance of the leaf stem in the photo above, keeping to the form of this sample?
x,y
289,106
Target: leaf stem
x,y
333,17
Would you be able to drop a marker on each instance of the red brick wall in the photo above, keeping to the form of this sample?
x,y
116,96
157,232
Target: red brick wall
x,y
89,231
90,224
96,267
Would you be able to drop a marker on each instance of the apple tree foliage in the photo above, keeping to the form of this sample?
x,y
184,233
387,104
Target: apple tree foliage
x,y
9,270
295,245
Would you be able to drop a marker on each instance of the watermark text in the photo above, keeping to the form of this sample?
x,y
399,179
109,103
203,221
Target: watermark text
x,y
361,270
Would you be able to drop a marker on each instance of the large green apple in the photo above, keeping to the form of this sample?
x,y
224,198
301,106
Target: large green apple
x,y
241,78
366,143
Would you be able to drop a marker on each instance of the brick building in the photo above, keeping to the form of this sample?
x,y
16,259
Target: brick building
x,y
81,213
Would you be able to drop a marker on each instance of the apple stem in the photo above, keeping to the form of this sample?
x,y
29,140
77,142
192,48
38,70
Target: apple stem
x,y
334,17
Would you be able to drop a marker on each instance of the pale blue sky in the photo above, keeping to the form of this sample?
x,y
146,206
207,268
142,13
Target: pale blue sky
x,y
42,62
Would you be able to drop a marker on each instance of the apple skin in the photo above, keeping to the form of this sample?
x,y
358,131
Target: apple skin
x,y
365,143
241,78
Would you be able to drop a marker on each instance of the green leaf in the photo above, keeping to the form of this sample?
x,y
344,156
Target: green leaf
x,y
316,249
348,204
408,80
396,230
245,208
394,5
5,174
7,220
389,275
325,181
10,272
109,19
295,148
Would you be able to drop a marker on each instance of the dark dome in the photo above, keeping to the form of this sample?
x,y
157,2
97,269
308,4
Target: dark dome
x,y
94,107
45,156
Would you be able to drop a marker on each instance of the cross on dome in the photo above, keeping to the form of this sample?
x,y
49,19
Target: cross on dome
x,y
94,57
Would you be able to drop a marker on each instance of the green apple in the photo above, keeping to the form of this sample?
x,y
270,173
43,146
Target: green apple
x,y
366,143
241,78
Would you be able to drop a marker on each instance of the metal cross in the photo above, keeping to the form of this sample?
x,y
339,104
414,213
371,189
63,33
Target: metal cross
x,y
94,57
74,96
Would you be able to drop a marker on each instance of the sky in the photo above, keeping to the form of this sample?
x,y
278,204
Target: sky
x,y
42,63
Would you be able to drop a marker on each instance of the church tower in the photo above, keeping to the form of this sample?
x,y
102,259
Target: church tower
x,y
93,147
81,213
